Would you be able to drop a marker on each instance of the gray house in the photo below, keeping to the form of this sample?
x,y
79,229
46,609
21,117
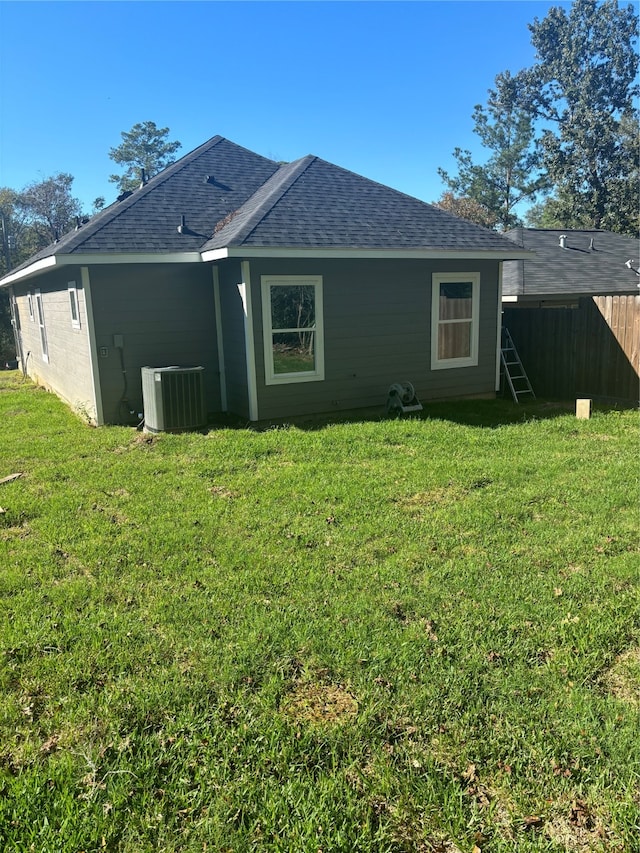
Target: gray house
x,y
300,289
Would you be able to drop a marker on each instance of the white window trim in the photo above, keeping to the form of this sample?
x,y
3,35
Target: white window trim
x,y
72,290
437,279
271,377
44,344
32,315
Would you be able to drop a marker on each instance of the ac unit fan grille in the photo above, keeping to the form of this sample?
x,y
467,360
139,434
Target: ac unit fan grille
x,y
173,398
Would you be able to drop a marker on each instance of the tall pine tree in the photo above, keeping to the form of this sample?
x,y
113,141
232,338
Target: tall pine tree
x,y
146,147
510,176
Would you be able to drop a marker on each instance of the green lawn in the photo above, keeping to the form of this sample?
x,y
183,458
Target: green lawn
x,y
395,635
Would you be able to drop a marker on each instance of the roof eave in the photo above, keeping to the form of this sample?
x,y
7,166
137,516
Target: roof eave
x,y
90,258
28,272
361,253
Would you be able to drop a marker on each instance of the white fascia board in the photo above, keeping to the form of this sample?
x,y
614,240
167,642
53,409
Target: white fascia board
x,y
28,272
429,254
89,258
215,255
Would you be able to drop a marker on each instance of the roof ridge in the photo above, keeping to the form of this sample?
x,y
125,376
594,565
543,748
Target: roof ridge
x,y
282,183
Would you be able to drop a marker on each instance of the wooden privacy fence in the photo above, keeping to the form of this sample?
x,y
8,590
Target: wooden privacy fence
x,y
589,351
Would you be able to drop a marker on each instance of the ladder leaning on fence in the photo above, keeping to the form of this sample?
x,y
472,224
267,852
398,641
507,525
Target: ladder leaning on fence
x,y
514,373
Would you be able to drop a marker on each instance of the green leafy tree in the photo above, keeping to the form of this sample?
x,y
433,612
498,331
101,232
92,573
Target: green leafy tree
x,y
29,220
146,147
7,343
19,238
10,227
48,209
510,176
581,91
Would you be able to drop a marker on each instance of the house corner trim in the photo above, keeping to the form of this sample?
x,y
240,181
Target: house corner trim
x,y
219,339
499,329
250,350
93,349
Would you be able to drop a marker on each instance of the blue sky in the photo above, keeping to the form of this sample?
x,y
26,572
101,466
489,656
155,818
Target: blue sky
x,y
385,89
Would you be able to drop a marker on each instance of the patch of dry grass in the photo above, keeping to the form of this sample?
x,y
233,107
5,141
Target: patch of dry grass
x,y
622,679
328,704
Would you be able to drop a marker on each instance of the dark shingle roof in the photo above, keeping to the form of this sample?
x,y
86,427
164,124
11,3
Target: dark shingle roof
x,y
312,203
250,201
148,220
576,270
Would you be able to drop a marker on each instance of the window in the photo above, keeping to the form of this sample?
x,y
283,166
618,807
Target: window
x,y
292,327
30,304
43,332
454,318
73,304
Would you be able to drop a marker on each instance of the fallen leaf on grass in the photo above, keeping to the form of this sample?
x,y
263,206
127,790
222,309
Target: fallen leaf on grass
x,y
532,821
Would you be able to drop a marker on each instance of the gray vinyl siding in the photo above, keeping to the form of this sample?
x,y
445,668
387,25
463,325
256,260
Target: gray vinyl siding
x,y
377,330
233,336
68,370
166,315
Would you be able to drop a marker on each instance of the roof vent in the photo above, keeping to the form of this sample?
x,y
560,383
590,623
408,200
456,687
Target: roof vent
x,y
592,245
183,228
563,241
209,179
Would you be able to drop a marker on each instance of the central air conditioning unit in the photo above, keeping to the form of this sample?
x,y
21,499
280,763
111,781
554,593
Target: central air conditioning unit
x,y
173,398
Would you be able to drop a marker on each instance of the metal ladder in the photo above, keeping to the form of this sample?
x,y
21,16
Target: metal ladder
x,y
514,372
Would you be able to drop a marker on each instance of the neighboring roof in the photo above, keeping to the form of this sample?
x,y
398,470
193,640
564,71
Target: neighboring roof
x,y
591,262
232,199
